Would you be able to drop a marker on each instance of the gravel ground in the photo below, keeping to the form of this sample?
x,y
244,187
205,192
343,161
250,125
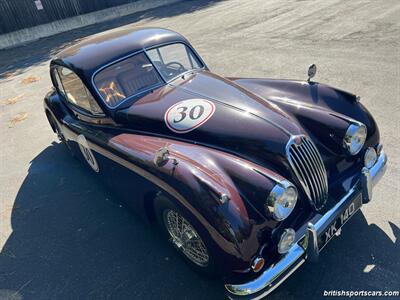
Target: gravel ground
x,y
64,236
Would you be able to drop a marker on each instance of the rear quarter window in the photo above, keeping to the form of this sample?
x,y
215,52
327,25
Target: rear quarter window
x,y
75,92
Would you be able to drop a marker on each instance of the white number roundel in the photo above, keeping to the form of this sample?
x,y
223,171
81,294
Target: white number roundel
x,y
87,153
187,115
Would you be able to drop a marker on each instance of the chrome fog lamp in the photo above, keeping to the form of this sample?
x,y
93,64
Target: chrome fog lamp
x,y
282,200
370,157
287,240
354,138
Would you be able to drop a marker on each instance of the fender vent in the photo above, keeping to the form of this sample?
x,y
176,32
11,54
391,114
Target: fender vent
x,y
307,164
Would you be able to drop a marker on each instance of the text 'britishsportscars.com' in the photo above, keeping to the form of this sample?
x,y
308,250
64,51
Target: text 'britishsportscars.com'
x,y
360,293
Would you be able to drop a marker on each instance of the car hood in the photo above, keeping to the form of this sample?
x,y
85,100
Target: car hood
x,y
242,123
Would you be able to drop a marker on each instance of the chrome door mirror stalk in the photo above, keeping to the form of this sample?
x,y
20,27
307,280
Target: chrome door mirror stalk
x,y
312,70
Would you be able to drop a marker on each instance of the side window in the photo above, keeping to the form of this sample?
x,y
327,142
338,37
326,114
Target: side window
x,y
173,60
177,53
75,91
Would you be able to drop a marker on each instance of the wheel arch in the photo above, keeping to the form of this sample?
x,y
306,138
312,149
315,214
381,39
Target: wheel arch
x,y
195,178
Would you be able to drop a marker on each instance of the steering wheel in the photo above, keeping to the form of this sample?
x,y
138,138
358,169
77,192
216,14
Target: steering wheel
x,y
180,68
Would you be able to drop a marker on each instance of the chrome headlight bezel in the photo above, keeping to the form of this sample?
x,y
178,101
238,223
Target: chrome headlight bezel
x,y
370,157
283,193
355,137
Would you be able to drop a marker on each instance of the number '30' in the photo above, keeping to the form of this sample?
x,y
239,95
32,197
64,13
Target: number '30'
x,y
194,113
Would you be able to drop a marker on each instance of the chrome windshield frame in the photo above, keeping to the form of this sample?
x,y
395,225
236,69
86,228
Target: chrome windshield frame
x,y
153,87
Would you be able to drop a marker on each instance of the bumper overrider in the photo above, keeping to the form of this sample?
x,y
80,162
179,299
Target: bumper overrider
x,y
306,248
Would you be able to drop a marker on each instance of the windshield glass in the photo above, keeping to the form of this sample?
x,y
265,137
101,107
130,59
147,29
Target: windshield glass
x,y
173,60
126,78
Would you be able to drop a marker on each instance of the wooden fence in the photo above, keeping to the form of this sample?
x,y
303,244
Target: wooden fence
x,y
19,14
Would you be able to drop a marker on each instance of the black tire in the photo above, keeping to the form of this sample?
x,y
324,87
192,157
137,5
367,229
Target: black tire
x,y
162,207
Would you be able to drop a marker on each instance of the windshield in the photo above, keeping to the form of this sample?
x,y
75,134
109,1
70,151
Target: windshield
x,y
173,60
126,78
137,73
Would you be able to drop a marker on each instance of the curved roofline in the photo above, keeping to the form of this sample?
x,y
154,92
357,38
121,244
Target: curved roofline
x,y
87,56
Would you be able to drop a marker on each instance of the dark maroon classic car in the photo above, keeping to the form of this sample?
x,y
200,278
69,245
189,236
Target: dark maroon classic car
x,y
247,177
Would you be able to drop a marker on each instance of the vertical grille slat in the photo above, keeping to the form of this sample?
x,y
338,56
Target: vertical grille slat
x,y
317,169
319,162
304,167
308,166
301,169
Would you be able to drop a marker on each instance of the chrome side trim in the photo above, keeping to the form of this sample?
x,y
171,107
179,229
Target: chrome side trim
x,y
272,277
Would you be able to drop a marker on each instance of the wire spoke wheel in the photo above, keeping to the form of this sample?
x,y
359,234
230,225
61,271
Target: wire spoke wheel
x,y
185,238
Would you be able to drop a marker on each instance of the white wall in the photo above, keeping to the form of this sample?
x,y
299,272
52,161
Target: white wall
x,y
33,33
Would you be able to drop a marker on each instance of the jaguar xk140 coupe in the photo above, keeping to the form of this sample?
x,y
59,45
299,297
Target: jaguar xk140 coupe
x,y
247,177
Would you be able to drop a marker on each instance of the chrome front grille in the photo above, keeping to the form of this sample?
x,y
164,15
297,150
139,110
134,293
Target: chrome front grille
x,y
307,164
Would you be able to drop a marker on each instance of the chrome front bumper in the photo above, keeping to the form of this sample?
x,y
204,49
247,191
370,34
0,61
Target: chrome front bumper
x,y
306,248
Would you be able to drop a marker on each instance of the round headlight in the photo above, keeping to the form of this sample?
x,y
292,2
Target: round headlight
x,y
354,138
282,200
286,241
370,157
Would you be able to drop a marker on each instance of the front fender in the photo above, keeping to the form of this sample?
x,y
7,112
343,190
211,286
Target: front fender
x,y
196,177
313,100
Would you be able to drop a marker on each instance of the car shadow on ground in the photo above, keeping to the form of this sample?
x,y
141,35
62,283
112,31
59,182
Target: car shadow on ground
x,y
17,60
73,240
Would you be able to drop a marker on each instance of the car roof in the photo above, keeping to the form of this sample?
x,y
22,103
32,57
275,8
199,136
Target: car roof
x,y
87,56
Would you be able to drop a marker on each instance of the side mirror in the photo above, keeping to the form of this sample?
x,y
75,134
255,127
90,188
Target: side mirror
x,y
312,70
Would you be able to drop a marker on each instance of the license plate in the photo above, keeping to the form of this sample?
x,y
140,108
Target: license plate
x,y
334,228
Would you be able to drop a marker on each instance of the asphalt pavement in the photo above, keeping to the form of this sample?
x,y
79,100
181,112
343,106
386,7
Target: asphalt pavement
x,y
63,235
